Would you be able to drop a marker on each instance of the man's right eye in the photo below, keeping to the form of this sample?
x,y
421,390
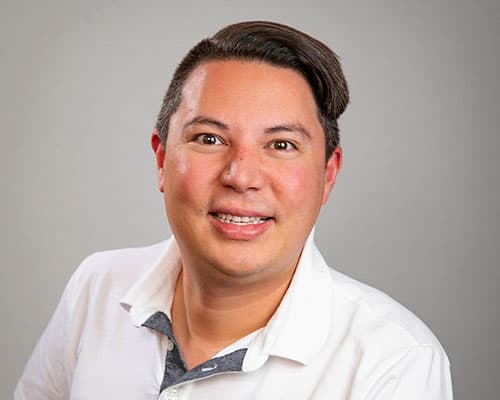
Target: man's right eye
x,y
207,139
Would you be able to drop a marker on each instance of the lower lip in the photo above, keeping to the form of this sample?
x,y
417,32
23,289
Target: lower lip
x,y
240,232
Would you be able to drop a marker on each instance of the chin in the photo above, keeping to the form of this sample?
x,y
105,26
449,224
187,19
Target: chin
x,y
240,267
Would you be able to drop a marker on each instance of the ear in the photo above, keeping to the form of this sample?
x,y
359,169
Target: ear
x,y
159,150
332,168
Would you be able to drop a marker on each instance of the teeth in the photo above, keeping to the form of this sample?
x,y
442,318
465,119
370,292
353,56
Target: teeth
x,y
238,220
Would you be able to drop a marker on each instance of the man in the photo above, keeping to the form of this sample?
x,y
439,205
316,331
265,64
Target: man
x,y
239,303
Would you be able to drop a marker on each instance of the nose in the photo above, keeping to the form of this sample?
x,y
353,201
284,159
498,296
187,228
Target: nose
x,y
243,171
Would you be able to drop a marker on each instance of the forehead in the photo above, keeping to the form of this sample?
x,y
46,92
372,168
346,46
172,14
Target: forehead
x,y
248,90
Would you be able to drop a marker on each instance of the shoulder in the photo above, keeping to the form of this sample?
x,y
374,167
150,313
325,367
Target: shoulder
x,y
108,261
378,320
127,260
392,346
113,270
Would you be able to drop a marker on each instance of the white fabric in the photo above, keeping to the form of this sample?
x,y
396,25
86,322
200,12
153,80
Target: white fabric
x,y
331,338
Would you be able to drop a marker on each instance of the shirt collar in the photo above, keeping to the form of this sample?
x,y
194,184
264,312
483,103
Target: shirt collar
x,y
300,326
296,331
154,291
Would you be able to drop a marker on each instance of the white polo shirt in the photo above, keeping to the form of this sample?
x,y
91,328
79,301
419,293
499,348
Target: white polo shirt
x,y
331,338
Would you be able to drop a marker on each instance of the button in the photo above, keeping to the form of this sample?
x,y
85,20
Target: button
x,y
209,368
170,345
171,394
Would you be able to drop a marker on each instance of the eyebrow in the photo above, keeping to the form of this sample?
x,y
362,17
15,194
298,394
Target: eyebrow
x,y
286,127
201,120
292,127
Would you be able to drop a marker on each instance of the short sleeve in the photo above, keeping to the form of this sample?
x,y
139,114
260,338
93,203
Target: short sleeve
x,y
422,373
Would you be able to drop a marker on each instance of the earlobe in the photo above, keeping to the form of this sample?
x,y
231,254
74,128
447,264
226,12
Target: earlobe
x,y
159,150
332,168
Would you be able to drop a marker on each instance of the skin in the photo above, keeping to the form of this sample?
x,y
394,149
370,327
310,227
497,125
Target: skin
x,y
246,140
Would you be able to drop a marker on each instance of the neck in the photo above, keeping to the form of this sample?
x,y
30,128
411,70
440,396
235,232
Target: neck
x,y
209,314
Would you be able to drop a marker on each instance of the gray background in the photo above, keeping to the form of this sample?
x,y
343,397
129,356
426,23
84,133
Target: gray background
x,y
415,211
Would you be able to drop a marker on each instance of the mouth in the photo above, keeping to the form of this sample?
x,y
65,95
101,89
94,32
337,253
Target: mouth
x,y
240,220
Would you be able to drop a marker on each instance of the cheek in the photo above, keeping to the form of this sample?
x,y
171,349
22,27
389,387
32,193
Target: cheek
x,y
300,186
186,179
300,180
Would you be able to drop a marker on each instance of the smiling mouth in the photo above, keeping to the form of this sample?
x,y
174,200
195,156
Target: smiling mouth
x,y
239,220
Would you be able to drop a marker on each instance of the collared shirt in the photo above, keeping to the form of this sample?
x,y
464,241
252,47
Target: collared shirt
x,y
330,338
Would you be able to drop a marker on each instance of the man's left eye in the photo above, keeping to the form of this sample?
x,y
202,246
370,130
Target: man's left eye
x,y
282,145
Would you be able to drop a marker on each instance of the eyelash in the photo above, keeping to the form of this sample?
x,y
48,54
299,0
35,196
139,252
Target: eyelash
x,y
204,136
290,145
199,139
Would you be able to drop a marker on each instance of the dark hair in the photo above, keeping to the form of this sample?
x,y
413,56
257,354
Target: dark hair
x,y
278,45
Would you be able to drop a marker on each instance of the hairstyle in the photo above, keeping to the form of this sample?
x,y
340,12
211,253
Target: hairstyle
x,y
278,45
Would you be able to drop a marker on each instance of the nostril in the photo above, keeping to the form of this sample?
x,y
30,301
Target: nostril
x,y
242,173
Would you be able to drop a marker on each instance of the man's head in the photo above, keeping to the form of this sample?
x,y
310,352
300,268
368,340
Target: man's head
x,y
243,171
278,45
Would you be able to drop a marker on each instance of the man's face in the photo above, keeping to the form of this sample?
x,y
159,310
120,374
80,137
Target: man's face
x,y
243,170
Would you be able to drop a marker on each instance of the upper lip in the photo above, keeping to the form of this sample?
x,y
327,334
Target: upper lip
x,y
240,212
